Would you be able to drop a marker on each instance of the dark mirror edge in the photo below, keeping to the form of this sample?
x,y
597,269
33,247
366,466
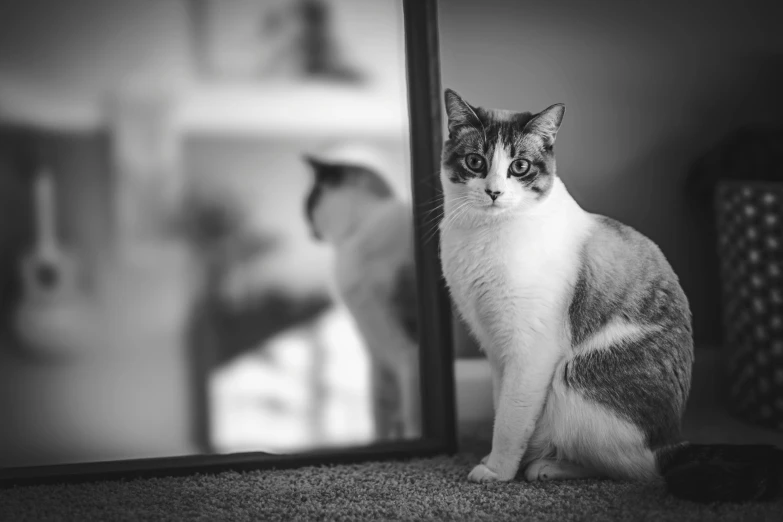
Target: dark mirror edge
x,y
436,354
209,464
436,346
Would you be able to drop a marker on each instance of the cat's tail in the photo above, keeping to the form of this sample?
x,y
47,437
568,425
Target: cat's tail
x,y
722,472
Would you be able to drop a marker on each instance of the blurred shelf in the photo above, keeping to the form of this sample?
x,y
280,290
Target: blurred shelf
x,y
26,102
320,110
279,109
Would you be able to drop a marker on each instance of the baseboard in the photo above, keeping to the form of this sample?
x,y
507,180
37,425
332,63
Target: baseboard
x,y
474,391
706,419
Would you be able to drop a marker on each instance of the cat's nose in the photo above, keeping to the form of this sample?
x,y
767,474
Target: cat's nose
x,y
494,194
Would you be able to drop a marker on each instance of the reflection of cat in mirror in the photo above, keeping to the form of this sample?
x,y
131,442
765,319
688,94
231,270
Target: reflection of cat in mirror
x,y
352,208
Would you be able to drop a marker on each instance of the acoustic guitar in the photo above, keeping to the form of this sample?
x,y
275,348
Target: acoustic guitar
x,y
48,271
53,319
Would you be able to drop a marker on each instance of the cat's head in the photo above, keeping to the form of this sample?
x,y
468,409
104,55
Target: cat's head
x,y
496,162
340,195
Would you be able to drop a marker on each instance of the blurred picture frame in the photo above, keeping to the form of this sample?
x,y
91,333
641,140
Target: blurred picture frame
x,y
249,41
434,311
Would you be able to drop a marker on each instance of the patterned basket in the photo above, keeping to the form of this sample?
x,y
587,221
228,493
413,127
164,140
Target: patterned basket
x,y
750,247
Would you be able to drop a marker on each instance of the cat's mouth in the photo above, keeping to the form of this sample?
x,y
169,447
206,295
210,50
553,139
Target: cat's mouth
x,y
494,206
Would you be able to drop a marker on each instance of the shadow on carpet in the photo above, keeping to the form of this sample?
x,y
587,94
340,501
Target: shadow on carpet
x,y
421,489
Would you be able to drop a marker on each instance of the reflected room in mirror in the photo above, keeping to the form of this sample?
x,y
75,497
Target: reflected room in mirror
x,y
208,243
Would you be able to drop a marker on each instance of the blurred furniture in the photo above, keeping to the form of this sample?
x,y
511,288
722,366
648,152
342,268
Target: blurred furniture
x,y
741,183
126,393
247,40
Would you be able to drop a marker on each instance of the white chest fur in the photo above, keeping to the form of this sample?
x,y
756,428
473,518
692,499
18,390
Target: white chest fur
x,y
511,279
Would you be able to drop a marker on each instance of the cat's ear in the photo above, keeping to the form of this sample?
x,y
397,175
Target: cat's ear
x,y
460,113
319,168
312,161
547,122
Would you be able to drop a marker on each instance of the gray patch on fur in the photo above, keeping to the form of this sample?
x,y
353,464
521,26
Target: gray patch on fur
x,y
404,300
624,275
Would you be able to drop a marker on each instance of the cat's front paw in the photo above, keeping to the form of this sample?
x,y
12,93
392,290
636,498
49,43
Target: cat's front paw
x,y
482,473
491,470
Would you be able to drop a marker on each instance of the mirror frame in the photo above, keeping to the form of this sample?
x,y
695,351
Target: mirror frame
x,y
436,349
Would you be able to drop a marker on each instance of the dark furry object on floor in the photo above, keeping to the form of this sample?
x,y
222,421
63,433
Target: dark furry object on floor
x,y
733,473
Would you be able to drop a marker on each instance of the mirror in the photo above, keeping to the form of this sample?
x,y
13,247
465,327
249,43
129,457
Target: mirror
x,y
212,251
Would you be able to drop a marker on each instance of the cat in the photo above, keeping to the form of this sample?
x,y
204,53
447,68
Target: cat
x,y
583,321
351,207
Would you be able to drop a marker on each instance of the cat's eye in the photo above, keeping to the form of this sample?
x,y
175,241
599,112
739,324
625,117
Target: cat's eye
x,y
519,167
474,162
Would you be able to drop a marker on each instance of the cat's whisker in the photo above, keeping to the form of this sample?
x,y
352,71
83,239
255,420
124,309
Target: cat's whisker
x,y
431,232
440,199
429,212
434,214
450,217
435,199
440,206
425,207
428,180
437,225
462,208
432,221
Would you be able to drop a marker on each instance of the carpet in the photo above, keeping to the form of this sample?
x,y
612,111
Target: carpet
x,y
420,489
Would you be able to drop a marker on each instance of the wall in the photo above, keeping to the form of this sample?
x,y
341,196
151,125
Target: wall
x,y
648,87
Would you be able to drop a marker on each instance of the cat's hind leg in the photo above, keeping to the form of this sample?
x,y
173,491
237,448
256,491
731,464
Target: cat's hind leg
x,y
541,460
407,373
593,436
385,403
545,469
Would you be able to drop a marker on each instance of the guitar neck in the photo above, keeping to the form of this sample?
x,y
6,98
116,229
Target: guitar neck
x,y
45,214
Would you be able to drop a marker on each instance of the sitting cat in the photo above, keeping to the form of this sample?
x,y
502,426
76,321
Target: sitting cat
x,y
583,321
353,208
